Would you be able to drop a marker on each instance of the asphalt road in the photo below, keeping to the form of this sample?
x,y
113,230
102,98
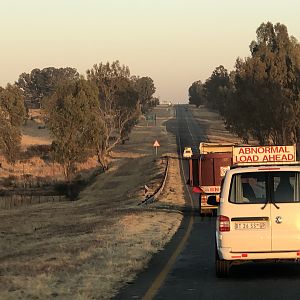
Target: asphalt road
x,y
192,276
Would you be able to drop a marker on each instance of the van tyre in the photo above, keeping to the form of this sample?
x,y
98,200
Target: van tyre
x,y
222,267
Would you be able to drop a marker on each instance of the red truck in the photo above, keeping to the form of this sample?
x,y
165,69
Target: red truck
x,y
207,170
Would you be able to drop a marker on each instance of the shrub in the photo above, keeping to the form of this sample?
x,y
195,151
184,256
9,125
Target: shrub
x,y
37,150
10,181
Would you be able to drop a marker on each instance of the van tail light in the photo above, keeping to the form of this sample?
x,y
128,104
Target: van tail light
x,y
224,223
203,198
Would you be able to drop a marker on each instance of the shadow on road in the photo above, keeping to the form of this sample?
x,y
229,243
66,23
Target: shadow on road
x,y
265,270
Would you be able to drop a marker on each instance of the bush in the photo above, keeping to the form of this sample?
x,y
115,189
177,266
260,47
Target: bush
x,y
10,181
37,150
70,190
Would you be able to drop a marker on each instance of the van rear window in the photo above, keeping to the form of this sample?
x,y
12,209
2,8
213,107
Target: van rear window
x,y
261,187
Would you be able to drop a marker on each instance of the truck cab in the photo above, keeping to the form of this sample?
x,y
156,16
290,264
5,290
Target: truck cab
x,y
258,215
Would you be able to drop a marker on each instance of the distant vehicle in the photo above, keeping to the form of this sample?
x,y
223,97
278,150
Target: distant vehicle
x,y
259,209
187,153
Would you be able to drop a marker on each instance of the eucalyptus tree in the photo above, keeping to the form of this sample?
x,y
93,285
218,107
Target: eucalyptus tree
x,y
216,88
280,56
146,89
12,114
118,105
266,102
196,93
71,114
42,83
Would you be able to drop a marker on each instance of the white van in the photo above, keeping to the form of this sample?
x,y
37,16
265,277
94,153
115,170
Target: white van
x,y
259,214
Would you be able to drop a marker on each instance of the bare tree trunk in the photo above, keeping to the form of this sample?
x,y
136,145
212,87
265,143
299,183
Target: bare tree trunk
x,y
102,160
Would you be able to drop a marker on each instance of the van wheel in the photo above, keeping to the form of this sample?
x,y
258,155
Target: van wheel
x,y
222,267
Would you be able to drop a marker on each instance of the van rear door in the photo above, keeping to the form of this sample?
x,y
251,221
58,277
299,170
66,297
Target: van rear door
x,y
250,229
285,212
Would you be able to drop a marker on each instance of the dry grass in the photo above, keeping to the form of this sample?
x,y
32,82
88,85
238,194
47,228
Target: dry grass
x,y
214,128
33,132
39,168
213,125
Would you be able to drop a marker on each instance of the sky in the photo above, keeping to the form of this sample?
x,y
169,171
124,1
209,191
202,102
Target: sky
x,y
175,42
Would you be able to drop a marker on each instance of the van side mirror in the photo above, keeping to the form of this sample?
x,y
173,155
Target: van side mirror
x,y
212,200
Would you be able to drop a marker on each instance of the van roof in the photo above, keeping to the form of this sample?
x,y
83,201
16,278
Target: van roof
x,y
260,164
264,168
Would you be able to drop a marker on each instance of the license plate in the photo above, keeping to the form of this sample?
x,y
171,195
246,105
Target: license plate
x,y
249,225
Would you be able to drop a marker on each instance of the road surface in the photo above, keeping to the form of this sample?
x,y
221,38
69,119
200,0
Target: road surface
x,y
191,274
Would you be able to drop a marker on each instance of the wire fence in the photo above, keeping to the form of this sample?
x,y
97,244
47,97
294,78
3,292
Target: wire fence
x,y
12,201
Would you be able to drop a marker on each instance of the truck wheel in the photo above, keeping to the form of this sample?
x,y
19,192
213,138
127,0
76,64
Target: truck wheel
x,y
222,267
200,210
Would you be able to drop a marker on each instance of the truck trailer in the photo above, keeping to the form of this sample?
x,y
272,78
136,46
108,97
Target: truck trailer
x,y
207,170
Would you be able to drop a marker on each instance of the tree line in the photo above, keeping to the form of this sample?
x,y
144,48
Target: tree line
x,y
86,115
260,98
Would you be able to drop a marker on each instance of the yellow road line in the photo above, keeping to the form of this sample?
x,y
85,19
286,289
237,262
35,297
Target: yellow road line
x,y
157,283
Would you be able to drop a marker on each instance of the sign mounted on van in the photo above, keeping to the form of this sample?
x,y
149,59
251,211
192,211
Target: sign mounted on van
x,y
264,154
